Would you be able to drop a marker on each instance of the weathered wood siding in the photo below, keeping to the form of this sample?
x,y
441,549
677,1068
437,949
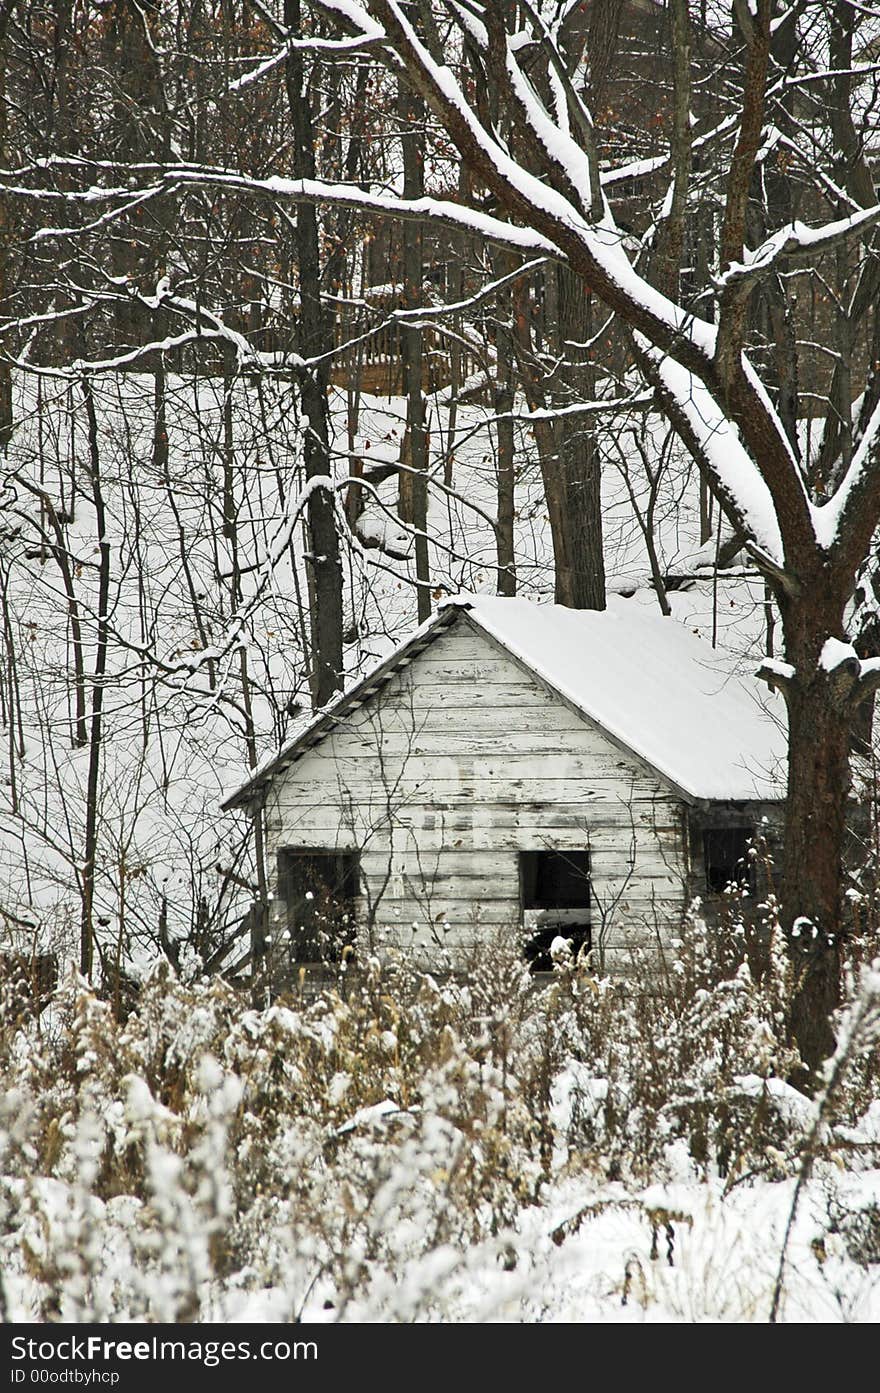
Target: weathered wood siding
x,y
460,762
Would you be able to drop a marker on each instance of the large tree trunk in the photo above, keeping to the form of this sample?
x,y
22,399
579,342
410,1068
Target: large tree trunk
x,y
505,476
819,720
815,820
503,401
414,454
580,580
570,467
316,342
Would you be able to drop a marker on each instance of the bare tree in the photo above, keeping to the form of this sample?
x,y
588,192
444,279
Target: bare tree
x,y
546,185
782,102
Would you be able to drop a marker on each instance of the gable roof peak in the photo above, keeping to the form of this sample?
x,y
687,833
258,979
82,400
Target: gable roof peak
x,y
653,686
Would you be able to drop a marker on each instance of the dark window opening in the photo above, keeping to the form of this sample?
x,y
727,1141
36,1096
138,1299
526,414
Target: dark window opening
x,y
555,889
726,854
318,889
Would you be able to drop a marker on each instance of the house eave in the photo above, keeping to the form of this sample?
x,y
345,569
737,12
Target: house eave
x,y
687,795
249,795
580,711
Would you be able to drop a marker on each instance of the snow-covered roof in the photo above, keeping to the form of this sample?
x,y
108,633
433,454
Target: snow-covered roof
x,y
653,686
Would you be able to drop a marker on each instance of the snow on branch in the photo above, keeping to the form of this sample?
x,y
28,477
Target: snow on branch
x,y
637,401
538,203
829,519
570,108
835,654
851,679
483,293
247,355
778,674
291,45
796,237
354,16
441,210
728,416
718,442
649,166
132,200
93,194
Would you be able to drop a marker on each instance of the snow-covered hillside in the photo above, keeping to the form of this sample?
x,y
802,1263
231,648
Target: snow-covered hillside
x,y
206,624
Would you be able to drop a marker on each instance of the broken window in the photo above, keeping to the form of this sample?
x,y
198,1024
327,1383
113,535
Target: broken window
x,y
726,854
555,890
318,890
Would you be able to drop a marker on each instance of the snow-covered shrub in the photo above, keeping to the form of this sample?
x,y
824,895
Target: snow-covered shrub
x,y
691,1064
201,1145
204,1159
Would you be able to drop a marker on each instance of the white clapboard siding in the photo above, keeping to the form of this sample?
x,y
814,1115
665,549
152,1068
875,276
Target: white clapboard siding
x,y
453,767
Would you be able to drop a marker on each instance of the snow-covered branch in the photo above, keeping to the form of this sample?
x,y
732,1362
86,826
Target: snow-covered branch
x,y
794,239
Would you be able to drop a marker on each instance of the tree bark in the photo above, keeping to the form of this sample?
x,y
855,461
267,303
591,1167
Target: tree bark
x,y
315,341
569,460
815,827
503,399
820,710
414,476
580,583
504,467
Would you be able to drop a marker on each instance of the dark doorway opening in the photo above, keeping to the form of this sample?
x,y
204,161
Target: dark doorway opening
x,y
319,889
726,854
555,896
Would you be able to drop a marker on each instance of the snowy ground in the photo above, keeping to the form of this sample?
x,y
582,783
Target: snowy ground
x,y
677,1253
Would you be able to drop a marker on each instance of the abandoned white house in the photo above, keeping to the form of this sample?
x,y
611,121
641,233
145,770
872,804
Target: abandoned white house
x,y
522,766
